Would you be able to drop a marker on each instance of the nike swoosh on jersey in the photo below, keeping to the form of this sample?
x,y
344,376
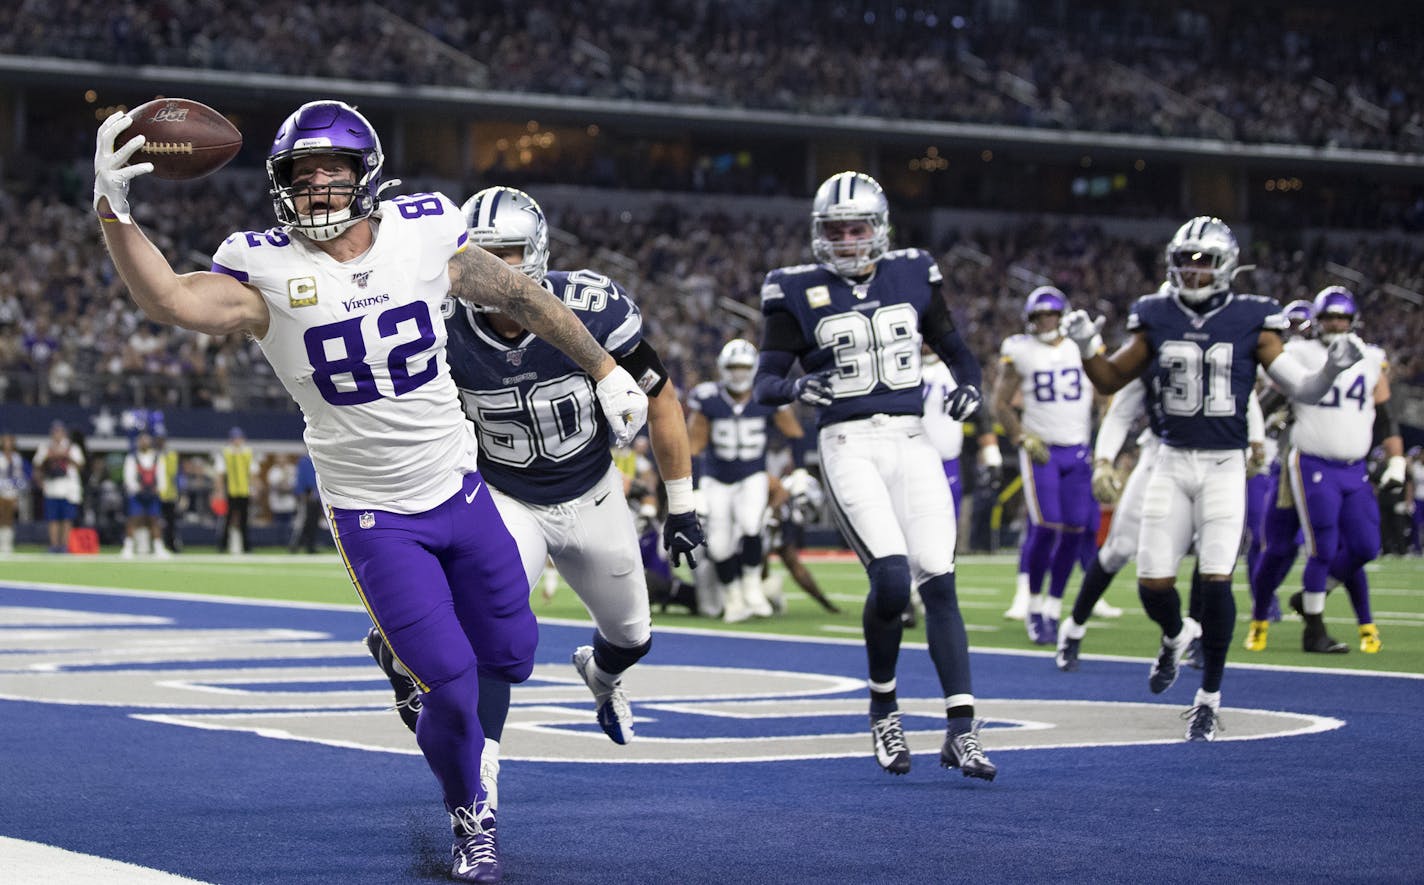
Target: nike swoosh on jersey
x,y
475,491
600,498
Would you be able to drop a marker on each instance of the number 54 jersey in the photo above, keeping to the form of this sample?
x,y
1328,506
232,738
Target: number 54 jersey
x,y
1341,426
359,345
1203,365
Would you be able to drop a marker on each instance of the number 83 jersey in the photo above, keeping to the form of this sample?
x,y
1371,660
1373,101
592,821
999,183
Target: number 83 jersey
x,y
358,344
1203,365
867,333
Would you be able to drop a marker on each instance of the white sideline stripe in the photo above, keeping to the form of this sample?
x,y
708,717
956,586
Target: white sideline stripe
x,y
688,631
36,862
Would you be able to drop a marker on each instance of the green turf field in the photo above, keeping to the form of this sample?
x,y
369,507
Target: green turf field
x,y
985,588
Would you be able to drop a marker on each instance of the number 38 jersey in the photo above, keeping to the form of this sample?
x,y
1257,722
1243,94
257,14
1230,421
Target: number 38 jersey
x,y
736,433
1203,365
543,438
1057,400
1341,426
868,333
358,344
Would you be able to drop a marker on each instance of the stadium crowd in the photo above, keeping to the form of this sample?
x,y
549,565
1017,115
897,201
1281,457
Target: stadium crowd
x,y
68,333
1260,73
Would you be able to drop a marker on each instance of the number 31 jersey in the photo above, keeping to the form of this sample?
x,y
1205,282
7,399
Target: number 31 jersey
x,y
867,333
1203,365
543,437
358,344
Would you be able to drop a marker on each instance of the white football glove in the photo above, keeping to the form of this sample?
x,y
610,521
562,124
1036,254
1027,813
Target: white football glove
x,y
1392,478
1107,484
1035,448
624,404
1083,331
111,176
1345,351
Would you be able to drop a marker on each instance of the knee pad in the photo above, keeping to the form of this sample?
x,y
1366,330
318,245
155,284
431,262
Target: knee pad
x,y
889,585
614,658
728,570
751,550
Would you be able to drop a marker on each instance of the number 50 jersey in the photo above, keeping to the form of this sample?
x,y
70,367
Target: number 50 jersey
x,y
358,344
868,333
543,437
1203,366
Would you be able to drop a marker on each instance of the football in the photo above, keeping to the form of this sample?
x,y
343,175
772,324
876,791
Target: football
x,y
185,139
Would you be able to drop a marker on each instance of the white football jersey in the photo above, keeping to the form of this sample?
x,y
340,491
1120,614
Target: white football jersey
x,y
945,433
360,345
1341,426
1057,396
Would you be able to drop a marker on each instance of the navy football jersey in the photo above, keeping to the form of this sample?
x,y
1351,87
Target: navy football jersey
x,y
736,442
543,438
868,333
1203,366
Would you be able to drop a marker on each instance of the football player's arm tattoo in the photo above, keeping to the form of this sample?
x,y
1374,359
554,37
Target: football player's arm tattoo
x,y
478,277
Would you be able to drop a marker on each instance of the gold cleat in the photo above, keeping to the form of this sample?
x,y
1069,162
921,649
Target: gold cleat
x,y
1256,638
1369,639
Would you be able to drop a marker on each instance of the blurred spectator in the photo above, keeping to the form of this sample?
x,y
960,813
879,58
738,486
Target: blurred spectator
x,y
13,482
281,493
308,508
58,462
236,468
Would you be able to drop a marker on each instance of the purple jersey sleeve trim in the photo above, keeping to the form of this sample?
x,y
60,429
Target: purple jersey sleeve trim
x,y
239,275
462,242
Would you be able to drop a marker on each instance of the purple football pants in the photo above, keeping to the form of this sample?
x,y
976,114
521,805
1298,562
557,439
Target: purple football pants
x,y
447,588
1059,497
1342,523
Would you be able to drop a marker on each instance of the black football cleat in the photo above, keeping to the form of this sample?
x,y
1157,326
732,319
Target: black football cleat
x,y
406,691
963,751
888,739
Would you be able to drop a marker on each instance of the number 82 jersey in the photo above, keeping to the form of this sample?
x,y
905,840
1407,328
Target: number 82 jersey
x,y
867,333
358,344
1203,365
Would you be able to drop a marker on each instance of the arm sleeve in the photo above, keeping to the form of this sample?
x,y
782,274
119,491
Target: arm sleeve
x,y
939,332
772,387
646,367
1386,425
781,341
1121,413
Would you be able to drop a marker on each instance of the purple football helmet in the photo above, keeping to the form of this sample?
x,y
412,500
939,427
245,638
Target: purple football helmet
x,y
1300,313
1334,301
326,127
1044,299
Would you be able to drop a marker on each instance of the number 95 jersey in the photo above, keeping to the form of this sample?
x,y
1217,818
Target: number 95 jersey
x,y
867,333
359,345
1203,366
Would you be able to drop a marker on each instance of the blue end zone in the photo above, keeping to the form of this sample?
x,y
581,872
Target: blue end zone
x,y
1342,804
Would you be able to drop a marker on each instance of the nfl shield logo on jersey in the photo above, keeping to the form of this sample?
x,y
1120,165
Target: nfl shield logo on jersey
x,y
515,357
368,520
361,279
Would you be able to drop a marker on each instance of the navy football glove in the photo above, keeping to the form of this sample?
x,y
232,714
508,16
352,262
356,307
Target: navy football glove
x,y
682,534
814,389
963,403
